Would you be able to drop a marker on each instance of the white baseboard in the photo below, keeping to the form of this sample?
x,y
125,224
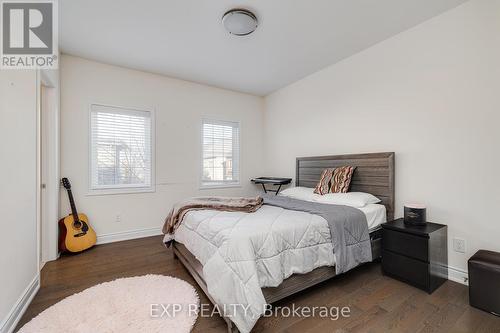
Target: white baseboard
x,y
458,275
126,235
10,322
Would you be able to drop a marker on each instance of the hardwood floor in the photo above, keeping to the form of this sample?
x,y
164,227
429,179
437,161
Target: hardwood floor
x,y
378,303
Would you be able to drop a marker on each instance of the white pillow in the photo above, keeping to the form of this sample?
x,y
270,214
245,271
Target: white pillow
x,y
301,193
353,199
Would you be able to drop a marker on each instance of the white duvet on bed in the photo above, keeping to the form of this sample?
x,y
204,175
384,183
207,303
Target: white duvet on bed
x,y
243,252
297,241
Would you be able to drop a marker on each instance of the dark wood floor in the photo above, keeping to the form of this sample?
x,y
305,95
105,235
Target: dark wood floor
x,y
377,303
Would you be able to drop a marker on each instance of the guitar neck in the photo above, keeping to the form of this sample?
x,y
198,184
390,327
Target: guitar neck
x,y
73,206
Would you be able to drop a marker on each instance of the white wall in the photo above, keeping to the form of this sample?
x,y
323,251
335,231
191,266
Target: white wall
x,y
179,107
18,204
430,94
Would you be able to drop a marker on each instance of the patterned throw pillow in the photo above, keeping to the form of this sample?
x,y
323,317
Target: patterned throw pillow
x,y
324,182
341,179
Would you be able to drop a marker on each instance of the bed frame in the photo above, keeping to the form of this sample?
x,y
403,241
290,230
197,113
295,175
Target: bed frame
x,y
374,174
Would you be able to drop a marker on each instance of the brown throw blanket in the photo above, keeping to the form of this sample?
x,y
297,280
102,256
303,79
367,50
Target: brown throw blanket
x,y
174,218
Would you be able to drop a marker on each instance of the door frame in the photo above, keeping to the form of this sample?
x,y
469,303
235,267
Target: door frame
x,y
47,248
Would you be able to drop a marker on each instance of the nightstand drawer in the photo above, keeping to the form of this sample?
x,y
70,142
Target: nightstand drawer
x,y
406,244
410,270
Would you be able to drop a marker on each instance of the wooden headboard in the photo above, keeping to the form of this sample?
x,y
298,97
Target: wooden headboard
x,y
374,174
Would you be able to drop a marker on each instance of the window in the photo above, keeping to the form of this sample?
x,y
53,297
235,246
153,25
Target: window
x,y
120,149
220,153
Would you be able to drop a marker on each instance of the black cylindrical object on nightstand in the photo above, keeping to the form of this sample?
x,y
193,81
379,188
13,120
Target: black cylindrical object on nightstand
x,y
415,214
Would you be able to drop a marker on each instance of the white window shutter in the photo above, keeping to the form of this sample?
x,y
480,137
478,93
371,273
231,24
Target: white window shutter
x,y
120,148
220,153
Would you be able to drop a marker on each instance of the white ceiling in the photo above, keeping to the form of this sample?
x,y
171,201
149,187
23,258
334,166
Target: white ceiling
x,y
185,38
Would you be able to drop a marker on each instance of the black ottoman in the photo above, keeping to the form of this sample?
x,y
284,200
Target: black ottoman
x,y
484,281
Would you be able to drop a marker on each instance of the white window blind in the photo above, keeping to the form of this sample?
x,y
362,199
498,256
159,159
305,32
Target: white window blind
x,y
221,153
121,148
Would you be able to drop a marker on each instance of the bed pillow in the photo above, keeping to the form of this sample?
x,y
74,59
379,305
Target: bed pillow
x,y
341,179
323,186
353,199
299,192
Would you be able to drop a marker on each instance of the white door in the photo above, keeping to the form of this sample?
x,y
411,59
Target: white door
x,y
43,172
48,174
47,191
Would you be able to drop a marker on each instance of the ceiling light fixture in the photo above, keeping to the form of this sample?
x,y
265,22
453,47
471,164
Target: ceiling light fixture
x,y
240,22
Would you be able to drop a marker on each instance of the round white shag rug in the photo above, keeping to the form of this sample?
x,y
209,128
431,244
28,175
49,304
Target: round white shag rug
x,y
150,303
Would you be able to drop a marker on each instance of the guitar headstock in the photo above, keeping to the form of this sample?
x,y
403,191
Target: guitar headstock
x,y
66,183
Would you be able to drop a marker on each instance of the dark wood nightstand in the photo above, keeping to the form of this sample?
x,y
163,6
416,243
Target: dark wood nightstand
x,y
417,255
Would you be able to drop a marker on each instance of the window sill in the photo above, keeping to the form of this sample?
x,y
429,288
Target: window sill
x,y
220,186
115,191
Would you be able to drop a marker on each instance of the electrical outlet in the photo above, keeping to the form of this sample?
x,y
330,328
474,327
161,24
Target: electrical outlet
x,y
118,218
459,245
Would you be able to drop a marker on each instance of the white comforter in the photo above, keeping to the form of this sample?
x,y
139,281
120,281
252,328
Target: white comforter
x,y
242,252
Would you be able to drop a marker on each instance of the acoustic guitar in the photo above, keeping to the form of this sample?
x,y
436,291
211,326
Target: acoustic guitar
x,y
75,232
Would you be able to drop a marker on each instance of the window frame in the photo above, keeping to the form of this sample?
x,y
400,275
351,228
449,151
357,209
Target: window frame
x,y
221,185
127,189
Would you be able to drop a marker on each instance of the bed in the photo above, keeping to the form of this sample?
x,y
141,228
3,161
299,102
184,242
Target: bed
x,y
374,174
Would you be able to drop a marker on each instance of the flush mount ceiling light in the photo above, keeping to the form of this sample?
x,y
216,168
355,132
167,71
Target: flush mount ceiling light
x,y
240,22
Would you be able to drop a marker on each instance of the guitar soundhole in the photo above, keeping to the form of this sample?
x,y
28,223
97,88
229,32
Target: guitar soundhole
x,y
77,224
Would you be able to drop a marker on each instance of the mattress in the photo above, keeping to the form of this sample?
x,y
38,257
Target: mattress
x,y
376,214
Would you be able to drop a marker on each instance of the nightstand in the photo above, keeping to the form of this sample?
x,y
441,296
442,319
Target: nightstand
x,y
417,255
